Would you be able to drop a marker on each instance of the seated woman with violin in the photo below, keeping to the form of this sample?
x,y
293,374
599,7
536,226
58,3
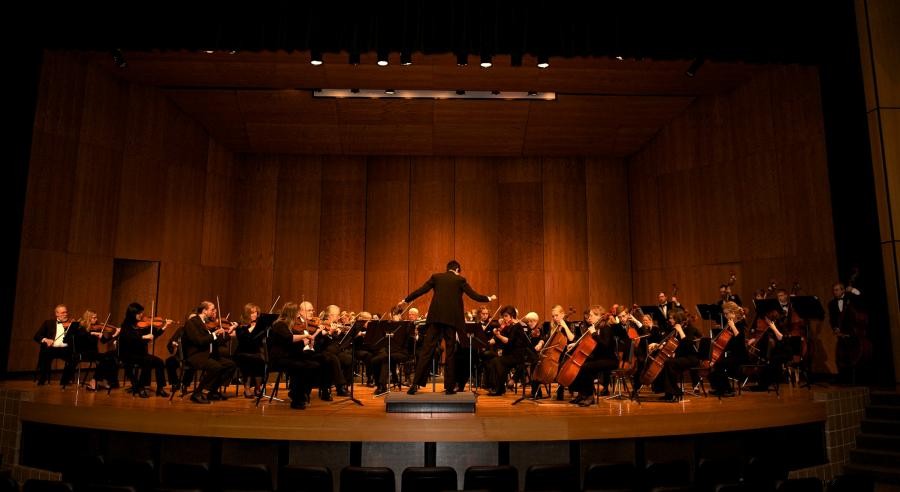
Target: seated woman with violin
x,y
513,336
287,337
727,357
685,355
136,333
95,342
603,329
249,353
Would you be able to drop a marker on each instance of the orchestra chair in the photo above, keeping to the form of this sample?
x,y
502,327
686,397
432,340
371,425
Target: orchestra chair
x,y
562,477
267,372
34,485
808,484
672,473
244,477
185,476
141,474
428,479
78,359
299,478
367,478
497,478
700,372
611,476
712,472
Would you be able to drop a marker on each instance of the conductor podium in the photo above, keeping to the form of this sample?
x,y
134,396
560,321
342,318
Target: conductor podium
x,y
423,402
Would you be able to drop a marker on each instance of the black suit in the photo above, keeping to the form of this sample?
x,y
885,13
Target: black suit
x,y
198,351
843,320
445,319
47,354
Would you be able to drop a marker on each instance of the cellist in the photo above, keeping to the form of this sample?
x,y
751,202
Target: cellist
x,y
685,355
513,337
735,353
602,360
558,324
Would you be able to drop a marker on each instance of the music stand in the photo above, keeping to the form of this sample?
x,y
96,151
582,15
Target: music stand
x,y
474,332
347,341
264,324
807,307
711,312
401,332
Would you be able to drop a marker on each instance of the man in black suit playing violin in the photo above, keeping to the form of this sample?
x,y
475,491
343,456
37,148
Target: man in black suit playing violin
x,y
199,349
55,337
445,319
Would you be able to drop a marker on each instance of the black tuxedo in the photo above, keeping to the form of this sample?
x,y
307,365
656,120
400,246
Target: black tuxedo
x,y
445,319
844,321
662,319
47,354
198,344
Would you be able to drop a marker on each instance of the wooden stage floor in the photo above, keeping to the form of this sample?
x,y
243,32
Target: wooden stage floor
x,y
495,418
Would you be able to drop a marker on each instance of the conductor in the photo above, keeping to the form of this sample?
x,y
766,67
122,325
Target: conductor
x,y
445,318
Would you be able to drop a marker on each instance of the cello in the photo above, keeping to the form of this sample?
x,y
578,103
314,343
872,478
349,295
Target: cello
x,y
583,349
547,367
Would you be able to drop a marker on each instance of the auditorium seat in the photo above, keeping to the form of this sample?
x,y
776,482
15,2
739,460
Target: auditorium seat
x,y
850,483
109,488
299,478
245,477
185,475
733,487
140,474
428,479
33,485
716,471
498,478
674,473
610,476
83,469
367,479
762,473
808,484
561,477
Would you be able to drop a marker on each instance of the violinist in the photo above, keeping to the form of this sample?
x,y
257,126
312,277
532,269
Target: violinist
x,y
249,353
286,353
735,352
603,328
329,346
89,337
133,350
513,335
685,355
308,324
55,339
202,334
399,354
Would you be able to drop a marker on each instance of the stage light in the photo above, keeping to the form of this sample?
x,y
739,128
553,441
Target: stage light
x,y
383,58
315,58
620,58
389,92
486,61
532,93
405,58
495,94
462,59
695,66
209,52
543,61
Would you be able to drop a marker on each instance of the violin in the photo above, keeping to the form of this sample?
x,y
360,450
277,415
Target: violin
x,y
103,328
155,322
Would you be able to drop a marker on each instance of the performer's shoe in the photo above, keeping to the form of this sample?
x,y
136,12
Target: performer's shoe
x,y
342,391
605,392
325,395
587,402
298,404
449,391
143,393
496,393
578,399
672,398
162,392
381,390
198,397
560,393
412,390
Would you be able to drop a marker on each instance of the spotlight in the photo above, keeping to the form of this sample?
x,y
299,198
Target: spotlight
x,y
620,58
405,58
234,51
209,52
353,58
532,93
315,57
382,58
695,66
119,58
486,61
462,59
389,92
543,61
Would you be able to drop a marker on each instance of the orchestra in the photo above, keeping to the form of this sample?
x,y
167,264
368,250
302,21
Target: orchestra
x,y
324,351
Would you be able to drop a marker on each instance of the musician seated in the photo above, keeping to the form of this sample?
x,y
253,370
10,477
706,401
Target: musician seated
x,y
512,335
174,361
90,337
685,355
772,349
398,355
328,343
536,340
199,345
286,354
249,353
55,339
601,360
133,341
735,351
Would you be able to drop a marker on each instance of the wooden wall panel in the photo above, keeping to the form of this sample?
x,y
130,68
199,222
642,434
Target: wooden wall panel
x,y
564,201
476,223
387,233
431,221
60,95
48,202
223,198
94,207
520,231
183,204
88,284
609,260
342,252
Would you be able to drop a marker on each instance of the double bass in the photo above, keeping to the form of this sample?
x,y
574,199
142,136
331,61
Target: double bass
x,y
853,346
